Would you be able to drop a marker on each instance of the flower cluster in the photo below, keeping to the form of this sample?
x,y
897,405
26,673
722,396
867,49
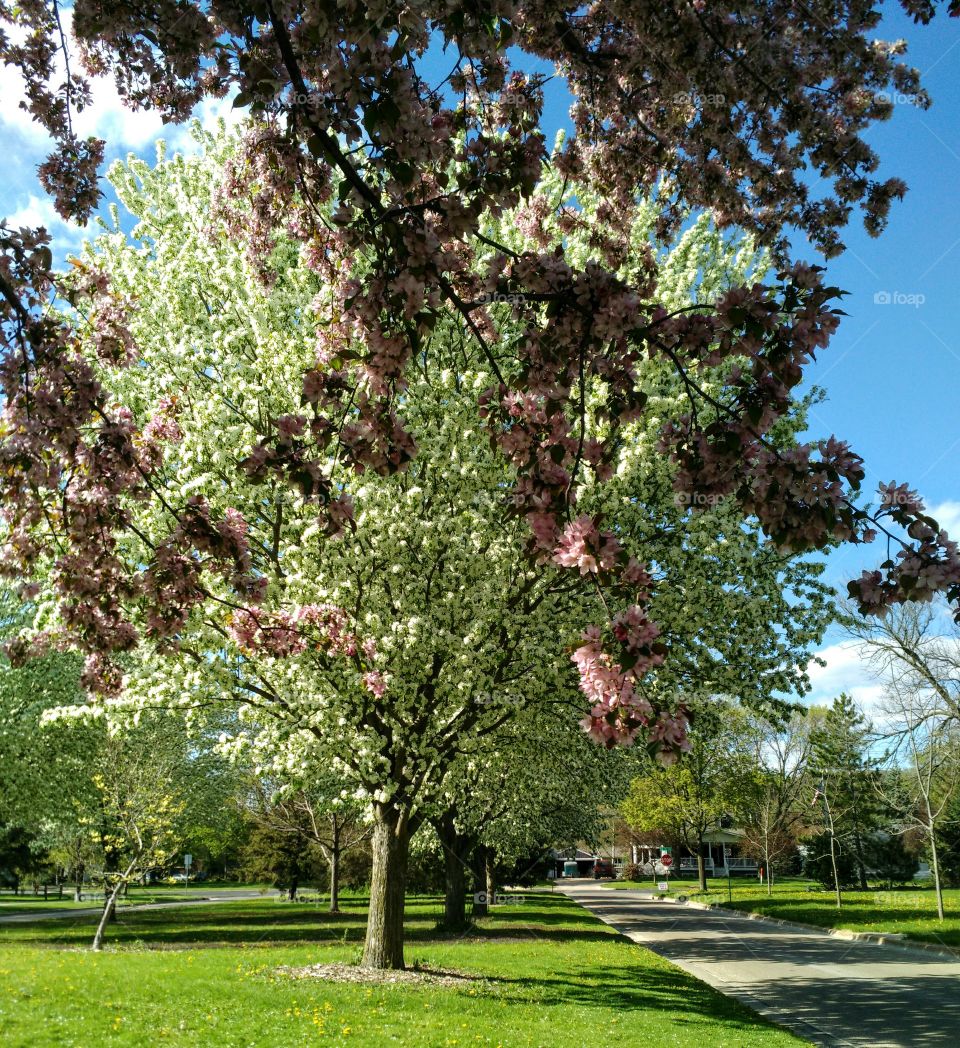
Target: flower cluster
x,y
283,633
619,712
388,190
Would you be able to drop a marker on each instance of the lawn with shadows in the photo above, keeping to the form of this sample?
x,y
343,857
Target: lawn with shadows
x,y
545,972
909,911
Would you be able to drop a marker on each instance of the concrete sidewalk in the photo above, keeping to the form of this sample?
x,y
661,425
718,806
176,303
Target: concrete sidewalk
x,y
227,895
831,991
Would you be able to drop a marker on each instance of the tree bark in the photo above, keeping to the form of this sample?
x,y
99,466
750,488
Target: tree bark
x,y
490,874
861,865
701,868
833,863
390,845
110,907
456,850
479,869
335,866
109,914
935,867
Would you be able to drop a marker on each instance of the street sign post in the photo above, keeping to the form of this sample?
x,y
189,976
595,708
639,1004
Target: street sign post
x,y
187,862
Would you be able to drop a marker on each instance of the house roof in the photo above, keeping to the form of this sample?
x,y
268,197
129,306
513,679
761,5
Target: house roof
x,y
719,835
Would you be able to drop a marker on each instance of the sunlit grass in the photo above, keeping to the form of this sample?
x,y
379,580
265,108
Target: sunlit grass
x,y
910,911
546,973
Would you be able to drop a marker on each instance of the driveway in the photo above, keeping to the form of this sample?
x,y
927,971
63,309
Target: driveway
x,y
831,991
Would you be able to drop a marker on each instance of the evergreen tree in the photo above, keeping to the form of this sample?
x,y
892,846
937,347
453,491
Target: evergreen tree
x,y
847,778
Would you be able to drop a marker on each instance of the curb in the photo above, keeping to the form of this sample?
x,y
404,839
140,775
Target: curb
x,y
890,939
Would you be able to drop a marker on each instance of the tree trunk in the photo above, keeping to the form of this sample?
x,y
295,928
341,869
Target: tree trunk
x,y
479,869
490,875
701,869
861,865
390,845
456,848
78,884
833,863
335,865
455,893
109,914
110,907
292,891
935,867
109,893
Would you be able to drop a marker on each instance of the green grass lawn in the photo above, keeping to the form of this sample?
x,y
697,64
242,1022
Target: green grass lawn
x,y
548,973
910,911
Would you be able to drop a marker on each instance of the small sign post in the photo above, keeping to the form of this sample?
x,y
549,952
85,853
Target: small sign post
x,y
666,861
187,861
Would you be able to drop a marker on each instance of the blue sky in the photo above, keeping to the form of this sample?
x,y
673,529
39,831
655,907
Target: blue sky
x,y
892,373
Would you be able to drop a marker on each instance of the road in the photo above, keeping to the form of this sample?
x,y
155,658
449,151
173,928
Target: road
x,y
214,895
831,991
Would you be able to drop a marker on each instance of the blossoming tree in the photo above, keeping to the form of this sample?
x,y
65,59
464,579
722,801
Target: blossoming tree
x,y
387,177
383,620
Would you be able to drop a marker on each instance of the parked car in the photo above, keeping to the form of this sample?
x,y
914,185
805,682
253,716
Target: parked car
x,y
602,869
181,877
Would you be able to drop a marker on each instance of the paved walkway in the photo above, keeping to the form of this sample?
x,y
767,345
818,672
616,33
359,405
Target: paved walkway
x,y
26,916
831,991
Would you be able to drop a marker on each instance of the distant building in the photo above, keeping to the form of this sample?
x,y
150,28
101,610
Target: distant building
x,y
722,852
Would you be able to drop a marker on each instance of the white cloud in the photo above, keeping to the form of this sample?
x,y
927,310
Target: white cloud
x,y
106,117
39,211
947,515
845,671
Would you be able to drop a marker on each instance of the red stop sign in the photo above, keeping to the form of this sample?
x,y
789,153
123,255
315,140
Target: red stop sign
x,y
666,860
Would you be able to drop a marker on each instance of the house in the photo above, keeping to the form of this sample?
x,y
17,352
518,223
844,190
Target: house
x,y
722,853
574,862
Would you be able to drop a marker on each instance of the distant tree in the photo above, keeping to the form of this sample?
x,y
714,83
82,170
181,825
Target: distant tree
x,y
831,865
890,860
915,648
846,779
44,767
141,795
284,858
915,651
948,843
689,798
779,807
299,817
18,855
923,758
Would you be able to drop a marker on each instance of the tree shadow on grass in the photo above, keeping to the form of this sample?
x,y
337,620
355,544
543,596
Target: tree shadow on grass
x,y
257,922
634,987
